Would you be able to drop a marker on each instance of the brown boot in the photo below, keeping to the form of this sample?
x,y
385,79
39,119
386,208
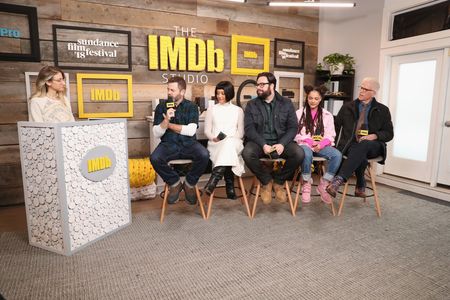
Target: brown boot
x,y
280,192
360,192
333,187
266,193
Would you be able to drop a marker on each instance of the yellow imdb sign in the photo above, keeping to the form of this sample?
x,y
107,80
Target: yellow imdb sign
x,y
246,48
105,99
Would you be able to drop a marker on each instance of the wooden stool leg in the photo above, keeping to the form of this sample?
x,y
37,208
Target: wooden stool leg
x,y
251,189
199,199
288,191
164,203
297,195
333,210
294,179
344,193
258,186
244,197
375,193
211,197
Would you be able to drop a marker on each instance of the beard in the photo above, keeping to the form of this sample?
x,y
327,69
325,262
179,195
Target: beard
x,y
263,95
175,99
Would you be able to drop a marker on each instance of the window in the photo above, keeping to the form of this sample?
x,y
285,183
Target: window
x,y
427,18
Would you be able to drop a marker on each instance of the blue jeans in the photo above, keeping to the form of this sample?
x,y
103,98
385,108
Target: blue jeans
x,y
333,156
164,153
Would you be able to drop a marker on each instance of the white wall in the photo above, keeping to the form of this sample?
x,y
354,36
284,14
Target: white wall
x,y
356,31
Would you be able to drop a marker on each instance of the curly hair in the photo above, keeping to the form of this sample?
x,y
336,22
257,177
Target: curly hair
x,y
306,119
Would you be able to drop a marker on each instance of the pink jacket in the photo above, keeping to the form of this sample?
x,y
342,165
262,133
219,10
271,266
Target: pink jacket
x,y
329,133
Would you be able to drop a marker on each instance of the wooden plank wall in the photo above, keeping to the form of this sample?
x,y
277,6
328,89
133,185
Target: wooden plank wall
x,y
216,20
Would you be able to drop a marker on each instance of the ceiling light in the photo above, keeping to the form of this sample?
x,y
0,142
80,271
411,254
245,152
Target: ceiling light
x,y
312,4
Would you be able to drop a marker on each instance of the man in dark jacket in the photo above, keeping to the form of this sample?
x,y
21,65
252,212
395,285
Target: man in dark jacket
x,y
270,125
365,126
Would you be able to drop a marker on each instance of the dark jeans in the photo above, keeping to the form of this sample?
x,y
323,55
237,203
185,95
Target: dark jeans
x,y
292,153
356,161
163,154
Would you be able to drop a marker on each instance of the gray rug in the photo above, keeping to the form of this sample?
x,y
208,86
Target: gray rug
x,y
405,254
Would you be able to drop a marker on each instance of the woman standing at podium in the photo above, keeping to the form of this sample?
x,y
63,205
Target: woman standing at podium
x,y
224,127
49,103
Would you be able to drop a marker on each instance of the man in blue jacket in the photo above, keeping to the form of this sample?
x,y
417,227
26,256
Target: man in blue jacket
x,y
270,125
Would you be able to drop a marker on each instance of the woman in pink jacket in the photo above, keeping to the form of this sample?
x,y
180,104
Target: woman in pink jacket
x,y
316,137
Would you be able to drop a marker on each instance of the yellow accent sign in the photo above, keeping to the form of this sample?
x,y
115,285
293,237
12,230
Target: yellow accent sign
x,y
235,40
102,96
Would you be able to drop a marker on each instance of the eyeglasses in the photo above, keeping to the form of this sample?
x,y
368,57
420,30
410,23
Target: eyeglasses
x,y
262,84
364,89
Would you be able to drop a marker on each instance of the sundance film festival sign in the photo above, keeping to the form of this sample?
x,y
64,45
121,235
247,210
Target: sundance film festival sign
x,y
92,49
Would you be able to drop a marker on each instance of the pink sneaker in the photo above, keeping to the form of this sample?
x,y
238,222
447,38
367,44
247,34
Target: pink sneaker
x,y
322,190
306,191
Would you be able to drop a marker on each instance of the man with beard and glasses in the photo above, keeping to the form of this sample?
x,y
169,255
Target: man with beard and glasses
x,y
176,122
270,125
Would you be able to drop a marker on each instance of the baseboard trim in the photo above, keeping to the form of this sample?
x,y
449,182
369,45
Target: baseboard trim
x,y
414,186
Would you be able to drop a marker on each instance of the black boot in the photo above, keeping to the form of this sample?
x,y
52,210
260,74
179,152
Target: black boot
x,y
216,175
229,184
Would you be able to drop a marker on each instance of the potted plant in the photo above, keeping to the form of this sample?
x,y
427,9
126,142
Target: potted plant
x,y
338,62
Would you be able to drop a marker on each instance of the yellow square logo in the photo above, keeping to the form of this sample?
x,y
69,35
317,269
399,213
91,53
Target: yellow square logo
x,y
249,55
104,96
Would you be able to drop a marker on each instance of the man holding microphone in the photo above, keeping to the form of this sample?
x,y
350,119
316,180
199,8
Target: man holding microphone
x,y
176,122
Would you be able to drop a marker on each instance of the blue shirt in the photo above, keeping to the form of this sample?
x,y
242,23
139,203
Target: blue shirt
x,y
186,112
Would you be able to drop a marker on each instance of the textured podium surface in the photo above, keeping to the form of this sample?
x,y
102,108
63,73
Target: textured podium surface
x,y
65,209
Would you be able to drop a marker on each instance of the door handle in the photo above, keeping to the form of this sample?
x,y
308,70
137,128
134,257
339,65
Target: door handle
x,y
447,124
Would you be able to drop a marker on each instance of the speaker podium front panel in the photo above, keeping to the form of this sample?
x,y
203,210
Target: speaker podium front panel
x,y
75,179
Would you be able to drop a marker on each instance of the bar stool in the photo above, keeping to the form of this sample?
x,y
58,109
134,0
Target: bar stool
x,y
321,164
370,168
256,183
173,163
243,199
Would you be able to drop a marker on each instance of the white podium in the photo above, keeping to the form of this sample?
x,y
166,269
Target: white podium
x,y
75,180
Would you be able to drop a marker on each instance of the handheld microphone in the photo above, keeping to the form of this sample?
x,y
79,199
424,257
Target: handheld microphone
x,y
170,103
170,107
363,131
317,137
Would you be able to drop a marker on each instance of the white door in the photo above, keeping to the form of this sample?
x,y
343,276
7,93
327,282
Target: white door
x,y
444,158
413,100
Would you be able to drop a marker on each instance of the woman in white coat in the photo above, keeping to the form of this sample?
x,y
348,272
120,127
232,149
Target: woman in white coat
x,y
224,127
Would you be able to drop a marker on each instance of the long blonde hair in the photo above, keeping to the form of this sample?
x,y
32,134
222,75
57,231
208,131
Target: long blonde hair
x,y
46,74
